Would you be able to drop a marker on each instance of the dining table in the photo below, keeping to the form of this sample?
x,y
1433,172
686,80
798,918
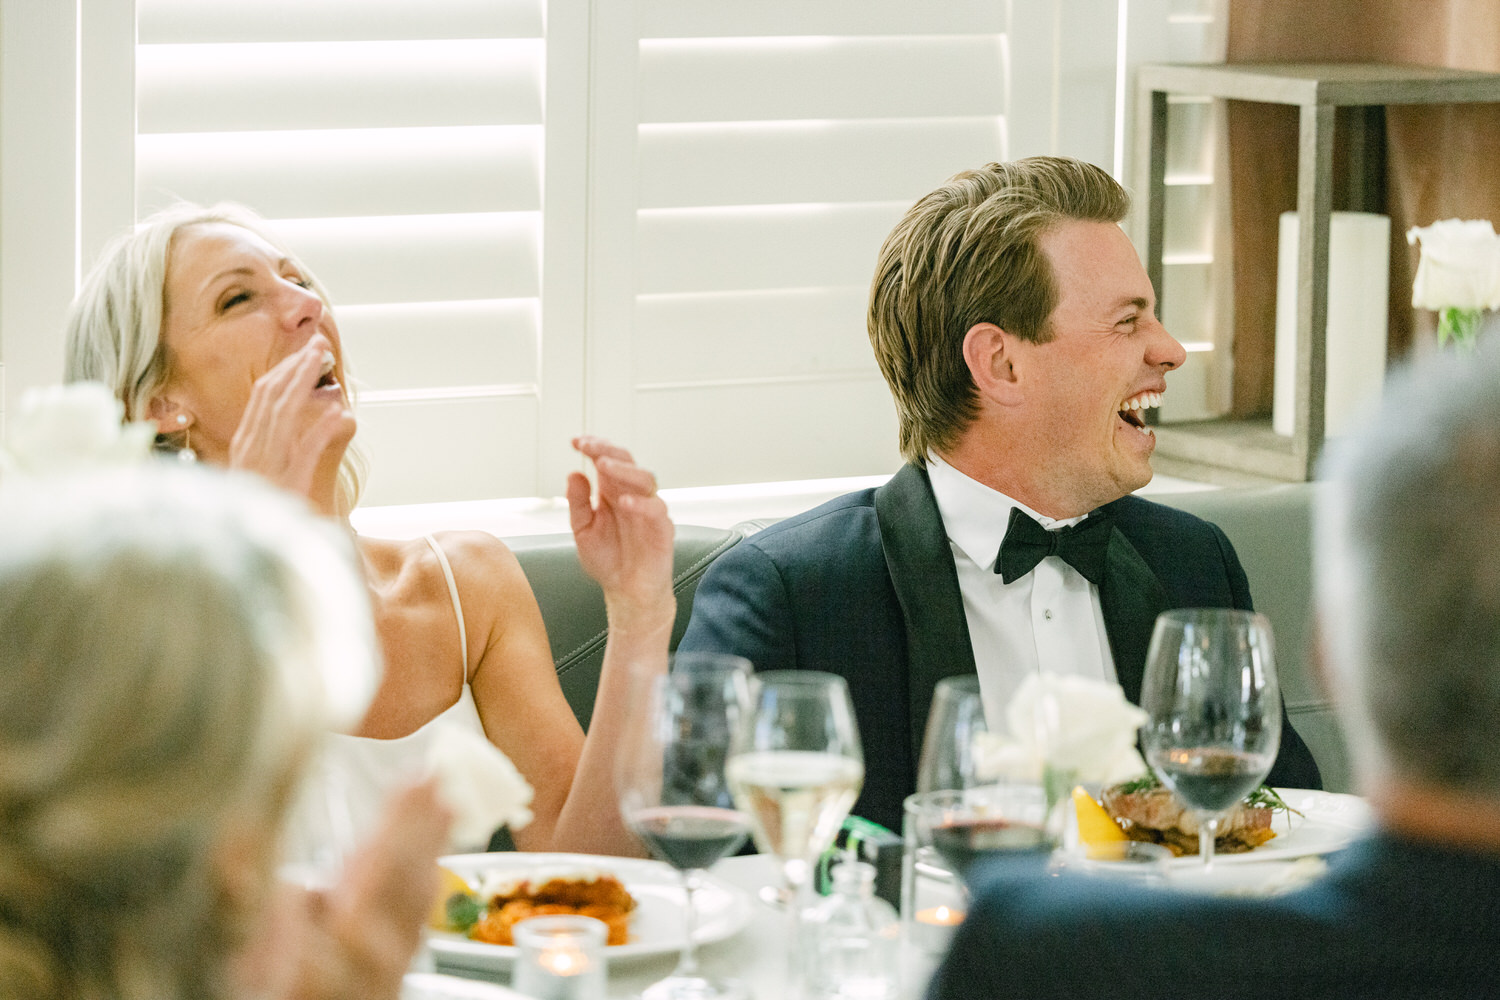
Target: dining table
x,y
758,956
760,953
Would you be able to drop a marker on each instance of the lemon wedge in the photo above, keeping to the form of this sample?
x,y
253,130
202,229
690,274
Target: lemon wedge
x,y
1094,824
450,884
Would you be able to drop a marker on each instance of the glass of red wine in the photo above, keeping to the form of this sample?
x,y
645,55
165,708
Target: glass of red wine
x,y
1214,709
670,781
963,811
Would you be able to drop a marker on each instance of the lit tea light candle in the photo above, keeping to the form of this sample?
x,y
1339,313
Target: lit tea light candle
x,y
566,959
560,958
931,928
941,916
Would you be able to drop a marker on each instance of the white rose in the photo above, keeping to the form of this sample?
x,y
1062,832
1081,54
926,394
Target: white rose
x,y
480,785
1072,725
1459,267
63,428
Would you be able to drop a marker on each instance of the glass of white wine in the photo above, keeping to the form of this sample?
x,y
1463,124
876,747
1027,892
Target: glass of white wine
x,y
796,767
1214,709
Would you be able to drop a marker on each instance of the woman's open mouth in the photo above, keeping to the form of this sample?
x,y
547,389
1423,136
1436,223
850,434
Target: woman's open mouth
x,y
326,378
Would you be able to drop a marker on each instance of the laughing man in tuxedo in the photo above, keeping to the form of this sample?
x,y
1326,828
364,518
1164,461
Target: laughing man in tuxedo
x,y
1407,582
1017,330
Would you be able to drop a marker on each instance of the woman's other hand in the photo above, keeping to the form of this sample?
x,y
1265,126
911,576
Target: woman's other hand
x,y
291,426
624,536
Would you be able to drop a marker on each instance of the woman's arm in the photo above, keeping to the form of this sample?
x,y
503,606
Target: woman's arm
x,y
624,542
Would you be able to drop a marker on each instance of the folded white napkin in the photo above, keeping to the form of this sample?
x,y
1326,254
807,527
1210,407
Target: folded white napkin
x,y
480,785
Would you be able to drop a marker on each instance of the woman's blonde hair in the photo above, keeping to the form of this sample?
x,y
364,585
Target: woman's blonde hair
x,y
113,327
166,635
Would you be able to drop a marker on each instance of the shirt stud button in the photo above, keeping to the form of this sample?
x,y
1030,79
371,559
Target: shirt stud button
x,y
1047,614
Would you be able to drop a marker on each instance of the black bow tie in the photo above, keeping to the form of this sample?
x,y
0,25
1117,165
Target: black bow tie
x,y
1082,546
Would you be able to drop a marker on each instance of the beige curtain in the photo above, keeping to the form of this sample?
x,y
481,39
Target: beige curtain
x,y
1441,162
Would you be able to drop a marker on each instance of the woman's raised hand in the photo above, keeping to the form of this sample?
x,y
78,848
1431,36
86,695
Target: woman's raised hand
x,y
290,426
624,536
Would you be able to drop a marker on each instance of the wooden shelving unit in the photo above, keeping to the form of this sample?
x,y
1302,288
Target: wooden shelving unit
x,y
1250,447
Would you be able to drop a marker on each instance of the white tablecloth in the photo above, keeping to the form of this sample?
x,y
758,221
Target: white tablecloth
x,y
757,955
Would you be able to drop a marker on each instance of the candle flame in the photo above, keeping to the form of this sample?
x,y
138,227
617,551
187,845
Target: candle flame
x,y
564,961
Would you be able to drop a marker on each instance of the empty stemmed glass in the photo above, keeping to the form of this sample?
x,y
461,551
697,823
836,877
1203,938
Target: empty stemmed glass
x,y
1214,709
796,767
954,723
673,793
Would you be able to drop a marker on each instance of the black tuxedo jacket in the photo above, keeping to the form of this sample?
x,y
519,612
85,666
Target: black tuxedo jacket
x,y
864,587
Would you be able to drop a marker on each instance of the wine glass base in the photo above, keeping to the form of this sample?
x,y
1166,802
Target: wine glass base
x,y
695,988
778,897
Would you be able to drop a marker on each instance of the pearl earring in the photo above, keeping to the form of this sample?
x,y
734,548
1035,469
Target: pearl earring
x,y
186,454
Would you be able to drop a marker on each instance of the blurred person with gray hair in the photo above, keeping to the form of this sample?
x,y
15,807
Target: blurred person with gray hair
x,y
174,643
1408,590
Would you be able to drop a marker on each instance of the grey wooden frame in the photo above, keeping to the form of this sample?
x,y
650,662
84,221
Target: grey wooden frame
x,y
1318,90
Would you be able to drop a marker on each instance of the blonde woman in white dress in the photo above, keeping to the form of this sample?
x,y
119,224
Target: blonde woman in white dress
x,y
202,322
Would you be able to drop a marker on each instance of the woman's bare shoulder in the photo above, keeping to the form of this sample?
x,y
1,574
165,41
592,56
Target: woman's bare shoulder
x,y
476,557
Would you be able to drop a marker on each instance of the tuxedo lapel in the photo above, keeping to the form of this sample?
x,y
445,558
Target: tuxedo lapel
x,y
920,563
1131,597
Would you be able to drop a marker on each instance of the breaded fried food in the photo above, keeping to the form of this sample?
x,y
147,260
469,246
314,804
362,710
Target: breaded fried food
x,y
512,898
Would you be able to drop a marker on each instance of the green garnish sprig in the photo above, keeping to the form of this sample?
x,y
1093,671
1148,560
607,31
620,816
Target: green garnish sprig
x,y
1264,797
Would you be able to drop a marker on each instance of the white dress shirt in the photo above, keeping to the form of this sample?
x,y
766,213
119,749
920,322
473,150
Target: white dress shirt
x,y
1050,619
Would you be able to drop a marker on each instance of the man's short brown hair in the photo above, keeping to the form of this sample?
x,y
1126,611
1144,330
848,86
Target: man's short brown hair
x,y
970,253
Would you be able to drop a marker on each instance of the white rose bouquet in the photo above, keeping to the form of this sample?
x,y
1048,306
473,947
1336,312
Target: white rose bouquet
x,y
480,784
1064,731
1458,275
71,428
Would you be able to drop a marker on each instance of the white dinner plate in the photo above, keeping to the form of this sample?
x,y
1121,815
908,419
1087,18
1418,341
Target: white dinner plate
x,y
436,986
655,927
1328,821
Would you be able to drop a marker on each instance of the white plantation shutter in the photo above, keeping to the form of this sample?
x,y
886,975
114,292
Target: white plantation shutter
x,y
399,148
775,145
653,219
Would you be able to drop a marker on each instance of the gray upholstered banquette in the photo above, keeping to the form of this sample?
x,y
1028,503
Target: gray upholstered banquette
x,y
1269,527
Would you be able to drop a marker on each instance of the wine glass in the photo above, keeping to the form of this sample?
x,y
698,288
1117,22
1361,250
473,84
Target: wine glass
x,y
955,719
967,807
1214,710
796,767
672,791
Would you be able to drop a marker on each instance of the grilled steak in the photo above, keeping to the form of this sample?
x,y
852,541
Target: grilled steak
x,y
1155,815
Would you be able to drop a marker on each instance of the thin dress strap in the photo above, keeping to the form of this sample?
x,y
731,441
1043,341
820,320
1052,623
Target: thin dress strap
x,y
458,609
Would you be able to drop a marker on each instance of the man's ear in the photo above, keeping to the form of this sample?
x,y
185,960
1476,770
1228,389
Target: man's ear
x,y
990,353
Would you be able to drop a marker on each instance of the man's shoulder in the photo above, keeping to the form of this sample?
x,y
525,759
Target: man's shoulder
x,y
1140,513
834,523
860,503
1020,921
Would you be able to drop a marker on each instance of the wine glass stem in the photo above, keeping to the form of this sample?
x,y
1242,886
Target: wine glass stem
x,y
794,872
687,962
1208,833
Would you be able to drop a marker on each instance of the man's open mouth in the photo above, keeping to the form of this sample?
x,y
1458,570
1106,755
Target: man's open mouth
x,y
1133,410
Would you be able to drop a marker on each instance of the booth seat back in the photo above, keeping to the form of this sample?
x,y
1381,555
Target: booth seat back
x,y
1270,528
572,604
